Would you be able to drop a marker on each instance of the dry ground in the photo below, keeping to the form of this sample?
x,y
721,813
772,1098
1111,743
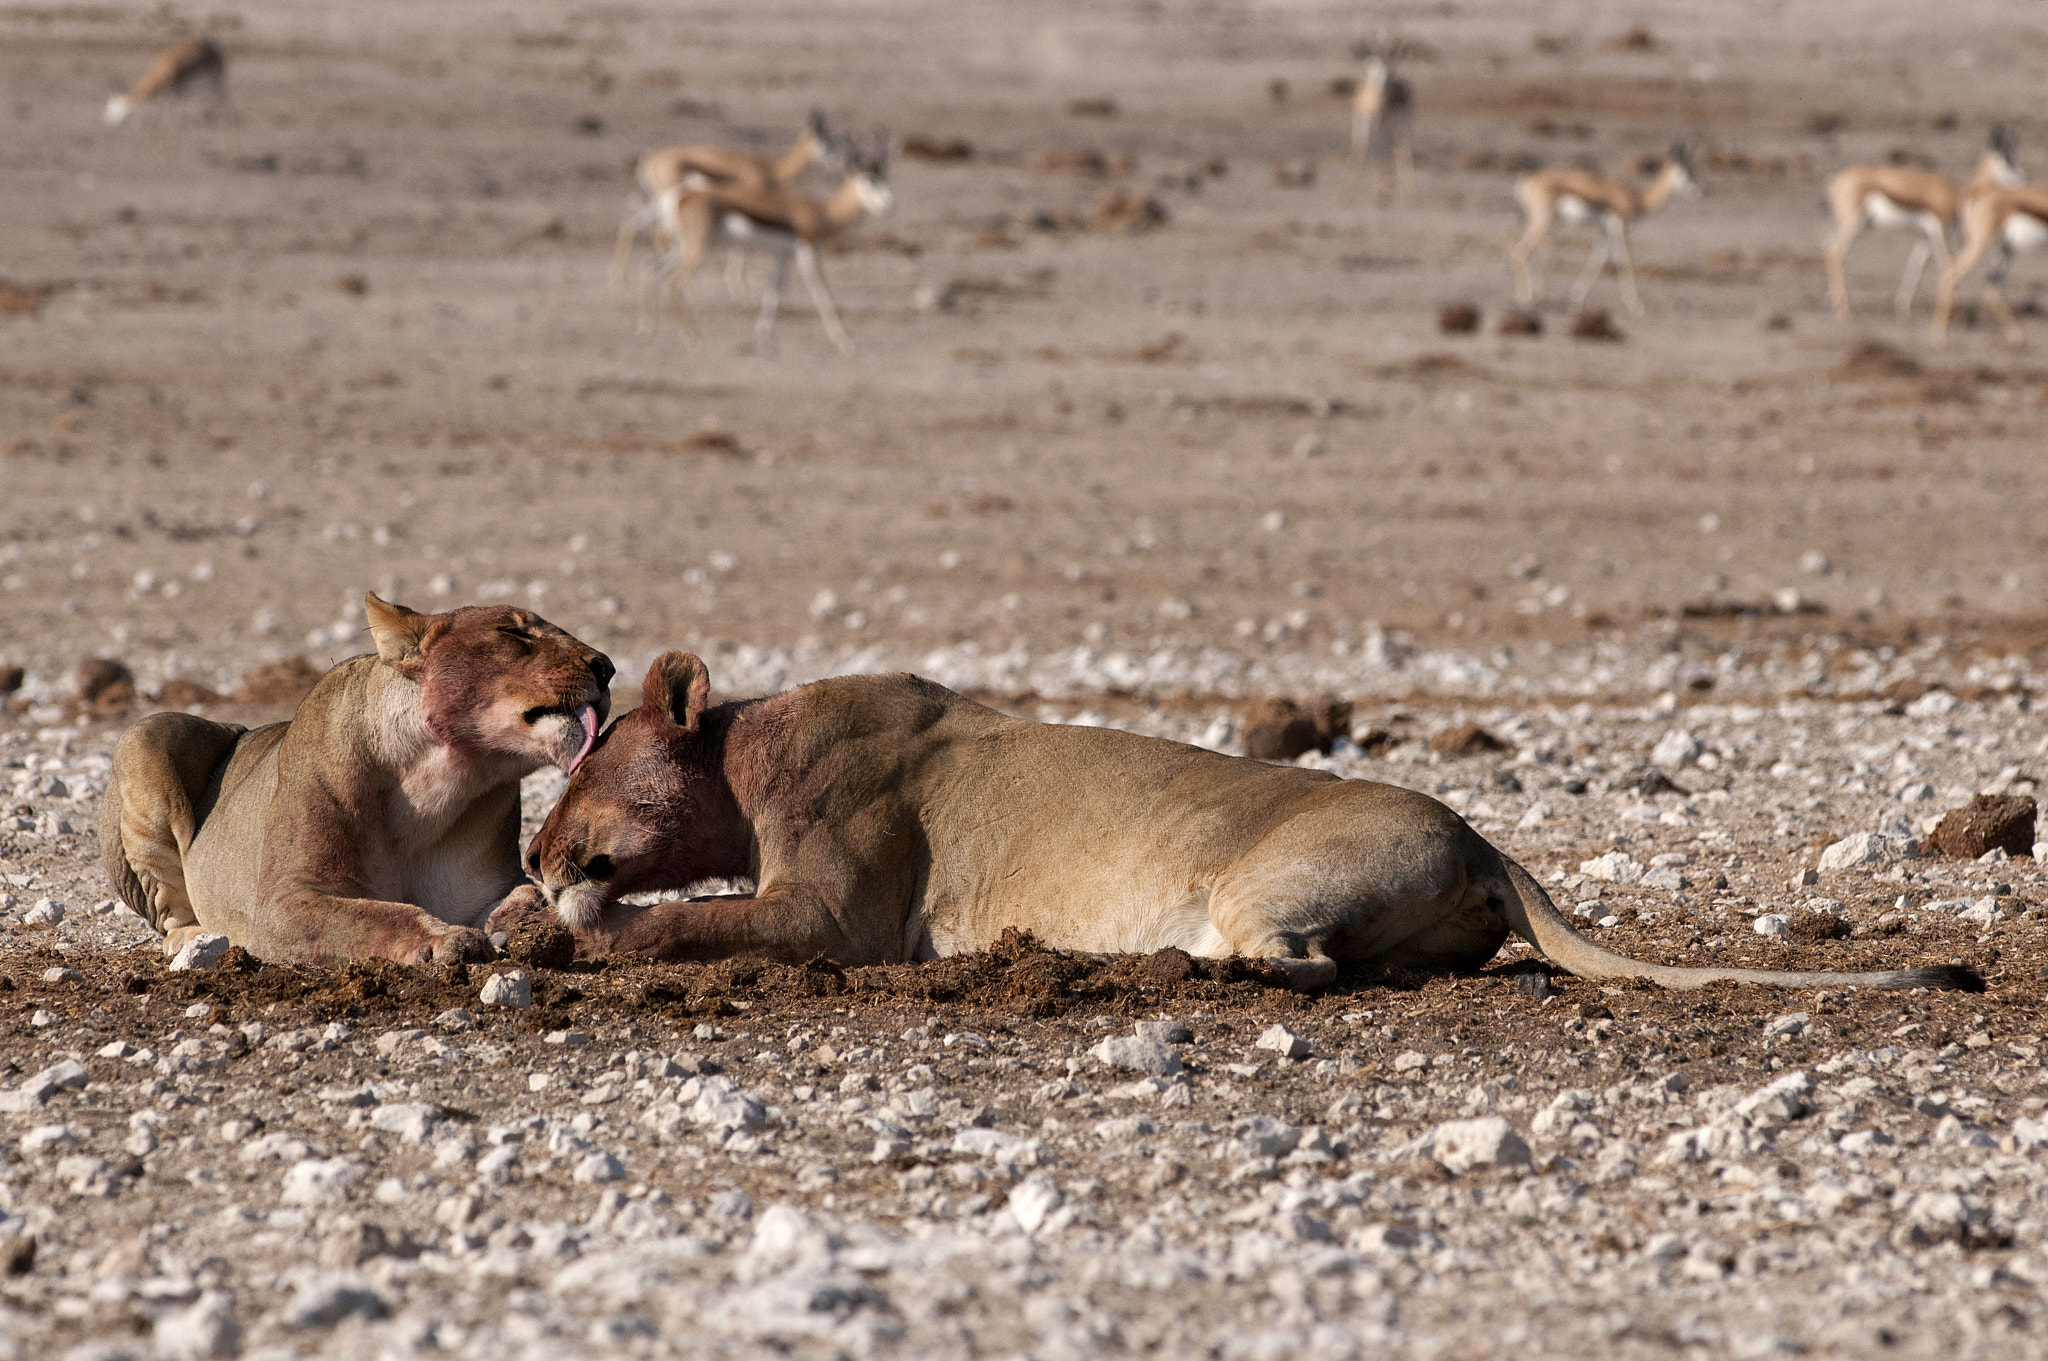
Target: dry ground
x,y
361,337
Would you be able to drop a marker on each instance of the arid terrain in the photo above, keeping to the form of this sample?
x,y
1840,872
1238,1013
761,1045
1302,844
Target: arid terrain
x,y
1147,419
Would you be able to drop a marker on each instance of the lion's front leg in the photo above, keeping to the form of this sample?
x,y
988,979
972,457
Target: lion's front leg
x,y
789,926
316,928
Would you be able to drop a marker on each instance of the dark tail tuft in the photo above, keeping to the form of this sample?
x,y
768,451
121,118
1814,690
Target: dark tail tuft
x,y
1944,978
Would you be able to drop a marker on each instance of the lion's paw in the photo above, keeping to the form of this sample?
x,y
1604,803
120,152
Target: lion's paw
x,y
518,905
462,945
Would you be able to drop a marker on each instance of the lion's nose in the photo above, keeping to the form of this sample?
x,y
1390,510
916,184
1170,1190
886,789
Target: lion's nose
x,y
533,863
602,668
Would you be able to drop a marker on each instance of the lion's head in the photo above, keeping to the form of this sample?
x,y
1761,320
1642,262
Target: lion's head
x,y
498,681
648,810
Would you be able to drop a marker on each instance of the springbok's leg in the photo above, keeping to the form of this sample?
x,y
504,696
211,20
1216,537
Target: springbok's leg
x,y
764,325
1628,270
821,297
1404,174
1838,251
1994,298
1519,256
1595,262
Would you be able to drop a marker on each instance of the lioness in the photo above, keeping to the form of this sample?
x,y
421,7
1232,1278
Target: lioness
x,y
383,819
886,818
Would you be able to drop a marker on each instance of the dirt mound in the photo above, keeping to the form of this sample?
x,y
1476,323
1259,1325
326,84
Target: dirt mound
x,y
1595,324
1278,729
105,681
1875,359
179,693
1989,822
286,681
1466,739
1457,319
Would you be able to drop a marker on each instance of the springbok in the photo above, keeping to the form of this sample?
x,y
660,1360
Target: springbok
x,y
1579,196
179,67
672,171
2014,219
1382,123
1894,196
779,222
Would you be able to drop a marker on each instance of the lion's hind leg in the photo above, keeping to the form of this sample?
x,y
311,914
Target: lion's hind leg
x,y
156,794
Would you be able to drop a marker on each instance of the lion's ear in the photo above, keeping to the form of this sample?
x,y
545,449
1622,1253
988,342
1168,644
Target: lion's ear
x,y
676,687
398,630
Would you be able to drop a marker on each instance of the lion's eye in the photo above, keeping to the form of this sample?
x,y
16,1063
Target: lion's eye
x,y
513,631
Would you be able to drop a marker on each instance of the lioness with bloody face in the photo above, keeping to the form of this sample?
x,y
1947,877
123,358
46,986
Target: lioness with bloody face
x,y
885,818
383,819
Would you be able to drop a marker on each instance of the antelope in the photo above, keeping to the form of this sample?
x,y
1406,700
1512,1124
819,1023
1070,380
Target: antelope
x,y
1892,196
1382,112
672,171
1576,196
2016,220
176,69
781,222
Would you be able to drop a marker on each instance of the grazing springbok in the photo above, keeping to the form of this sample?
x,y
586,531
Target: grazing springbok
x,y
2016,221
1382,123
179,67
676,170
1579,196
781,223
1897,196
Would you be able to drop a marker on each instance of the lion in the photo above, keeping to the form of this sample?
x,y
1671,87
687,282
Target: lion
x,y
886,819
383,819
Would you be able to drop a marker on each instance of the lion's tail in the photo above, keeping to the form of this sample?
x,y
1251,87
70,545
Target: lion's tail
x,y
155,801
1536,919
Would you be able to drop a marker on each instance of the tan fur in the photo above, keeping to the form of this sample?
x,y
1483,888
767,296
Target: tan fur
x,y
674,170
1861,196
176,69
886,818
383,819
1382,134
1610,204
2015,220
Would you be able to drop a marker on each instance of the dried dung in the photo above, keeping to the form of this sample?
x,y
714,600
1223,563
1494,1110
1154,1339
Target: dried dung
x,y
287,681
1989,822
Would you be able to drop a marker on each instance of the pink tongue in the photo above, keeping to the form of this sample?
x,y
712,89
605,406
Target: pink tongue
x,y
586,714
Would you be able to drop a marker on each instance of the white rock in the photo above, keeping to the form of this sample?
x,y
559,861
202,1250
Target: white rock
x,y
1264,1137
323,1301
784,1234
203,951
1984,911
1791,1023
46,912
1676,748
1771,924
314,1182
1866,849
62,975
1410,1060
411,1121
599,1166
1166,1031
1933,704
722,1106
1489,1141
998,1146
1283,1042
1781,1101
1033,1199
1615,867
204,1330
2029,1133
513,989
1134,1052
44,1138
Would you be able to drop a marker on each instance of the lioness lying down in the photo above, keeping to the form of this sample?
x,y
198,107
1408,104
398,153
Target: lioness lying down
x,y
383,819
886,818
